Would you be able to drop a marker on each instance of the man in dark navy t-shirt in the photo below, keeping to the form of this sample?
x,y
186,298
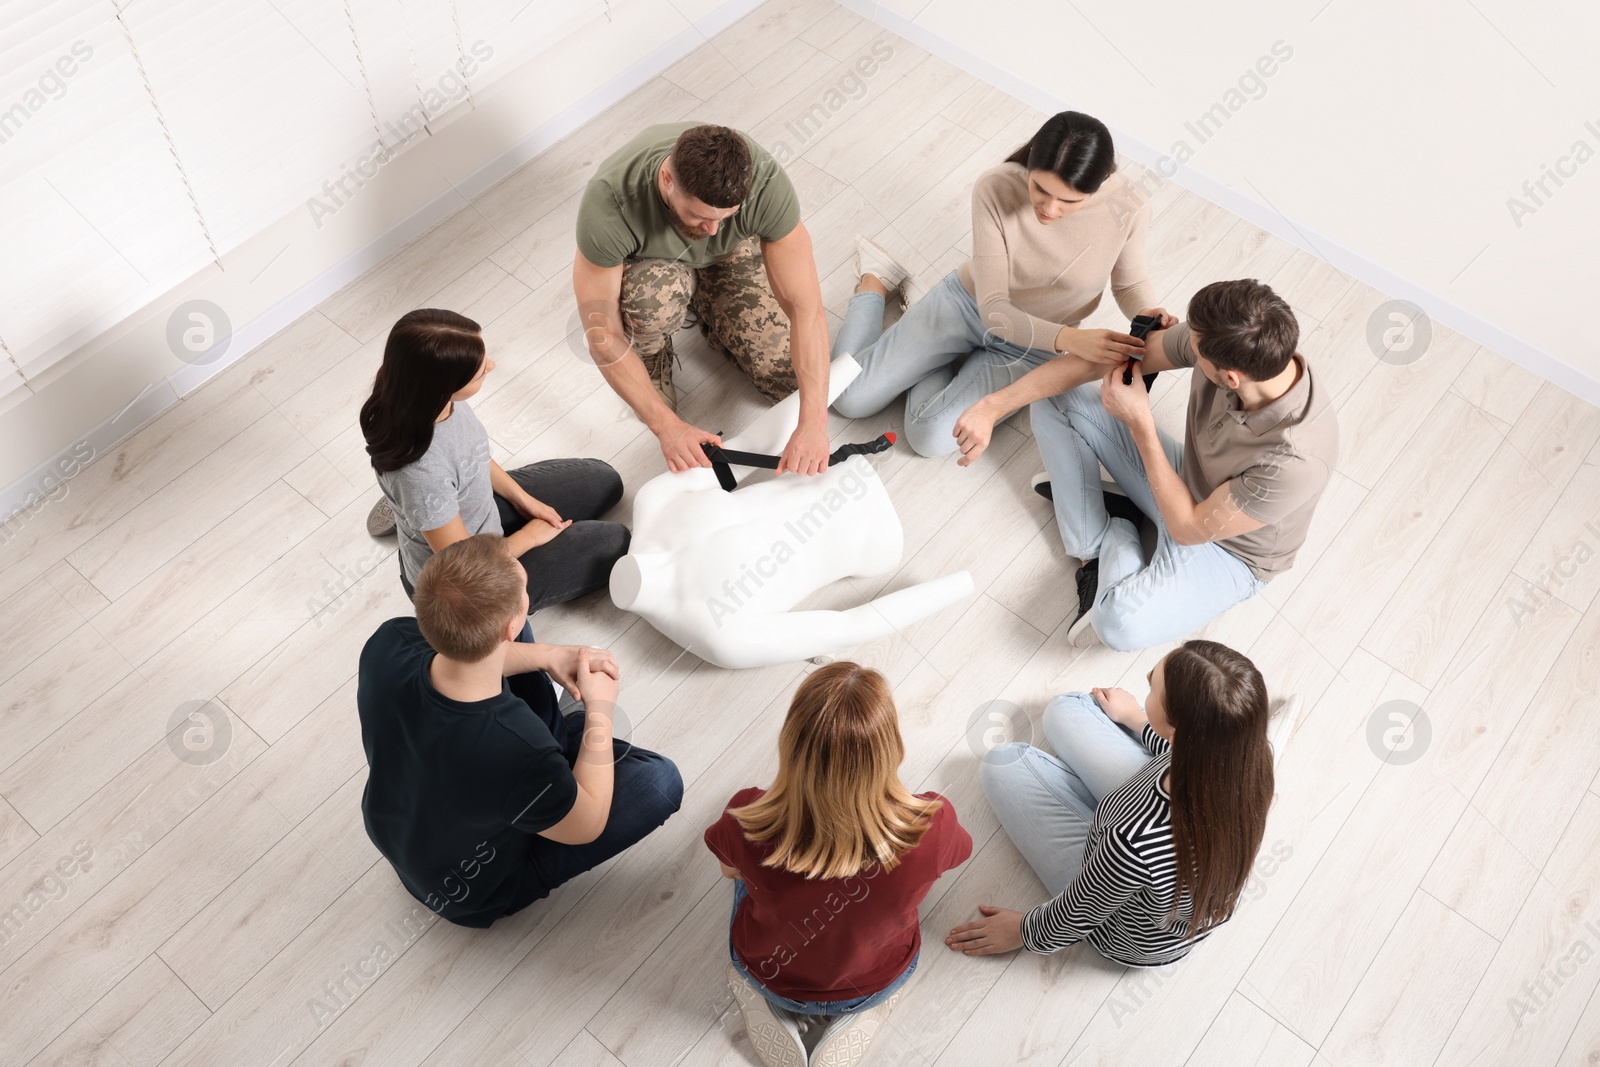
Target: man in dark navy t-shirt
x,y
482,794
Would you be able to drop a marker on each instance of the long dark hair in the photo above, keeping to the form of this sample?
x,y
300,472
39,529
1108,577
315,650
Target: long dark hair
x,y
1074,147
1222,780
430,354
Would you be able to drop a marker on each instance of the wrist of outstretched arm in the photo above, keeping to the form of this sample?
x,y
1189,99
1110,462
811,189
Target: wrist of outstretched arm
x,y
1035,385
600,708
631,382
1030,935
1028,941
1148,441
1172,497
1052,926
657,417
526,657
520,540
1178,509
813,411
598,717
1066,340
993,406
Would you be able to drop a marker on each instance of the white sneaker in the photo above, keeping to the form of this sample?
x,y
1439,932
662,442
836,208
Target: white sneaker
x,y
848,1038
1283,721
1082,634
773,1032
1040,483
873,258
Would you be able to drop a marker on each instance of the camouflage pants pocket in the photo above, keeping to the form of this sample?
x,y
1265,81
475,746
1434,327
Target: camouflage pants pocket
x,y
739,313
655,293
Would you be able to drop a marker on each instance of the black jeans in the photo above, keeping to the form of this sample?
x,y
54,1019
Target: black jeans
x,y
577,560
646,790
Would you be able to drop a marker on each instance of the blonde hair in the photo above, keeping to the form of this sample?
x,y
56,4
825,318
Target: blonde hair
x,y
837,805
466,594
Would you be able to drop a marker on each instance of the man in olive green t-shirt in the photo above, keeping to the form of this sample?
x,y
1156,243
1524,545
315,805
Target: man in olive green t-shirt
x,y
694,218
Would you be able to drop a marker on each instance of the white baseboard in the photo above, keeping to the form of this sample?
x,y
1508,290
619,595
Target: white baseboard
x,y
1544,364
19,498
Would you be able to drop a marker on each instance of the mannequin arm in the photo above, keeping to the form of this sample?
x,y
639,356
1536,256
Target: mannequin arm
x,y
757,640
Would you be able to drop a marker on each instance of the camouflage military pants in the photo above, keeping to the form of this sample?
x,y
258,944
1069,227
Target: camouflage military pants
x,y
736,308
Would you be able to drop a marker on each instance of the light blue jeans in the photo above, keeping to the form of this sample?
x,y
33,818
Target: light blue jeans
x,y
814,1007
1139,603
916,356
1046,803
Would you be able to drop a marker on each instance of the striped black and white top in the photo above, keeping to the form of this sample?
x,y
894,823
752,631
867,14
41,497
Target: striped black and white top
x,y
1121,900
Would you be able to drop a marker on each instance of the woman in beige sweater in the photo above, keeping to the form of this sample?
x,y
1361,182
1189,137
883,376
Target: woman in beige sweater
x,y
1051,226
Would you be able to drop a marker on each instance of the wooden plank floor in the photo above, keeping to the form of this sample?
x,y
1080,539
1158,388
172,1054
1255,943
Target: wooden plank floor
x,y
165,907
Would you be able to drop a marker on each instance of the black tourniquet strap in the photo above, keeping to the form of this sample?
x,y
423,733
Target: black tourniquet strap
x,y
722,459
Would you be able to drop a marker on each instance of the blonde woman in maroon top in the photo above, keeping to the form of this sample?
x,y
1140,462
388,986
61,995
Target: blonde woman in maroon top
x,y
829,866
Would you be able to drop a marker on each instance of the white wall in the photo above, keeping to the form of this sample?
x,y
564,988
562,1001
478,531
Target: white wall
x,y
1388,143
291,267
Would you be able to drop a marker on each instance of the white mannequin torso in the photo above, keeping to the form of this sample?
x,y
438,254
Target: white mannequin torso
x,y
718,571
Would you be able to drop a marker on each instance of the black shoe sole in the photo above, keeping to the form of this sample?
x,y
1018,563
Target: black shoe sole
x,y
1088,579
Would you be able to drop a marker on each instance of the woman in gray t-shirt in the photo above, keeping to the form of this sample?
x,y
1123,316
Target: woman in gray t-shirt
x,y
431,455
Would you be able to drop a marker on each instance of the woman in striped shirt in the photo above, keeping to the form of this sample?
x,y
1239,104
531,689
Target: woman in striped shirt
x,y
1146,844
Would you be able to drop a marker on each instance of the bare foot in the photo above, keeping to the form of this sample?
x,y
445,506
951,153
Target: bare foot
x,y
869,283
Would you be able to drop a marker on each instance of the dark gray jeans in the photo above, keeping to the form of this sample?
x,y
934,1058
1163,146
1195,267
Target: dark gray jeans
x,y
578,560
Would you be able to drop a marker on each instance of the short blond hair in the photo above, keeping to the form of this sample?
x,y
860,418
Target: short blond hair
x,y
466,594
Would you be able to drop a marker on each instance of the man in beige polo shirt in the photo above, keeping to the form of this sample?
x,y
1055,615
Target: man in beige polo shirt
x,y
1231,504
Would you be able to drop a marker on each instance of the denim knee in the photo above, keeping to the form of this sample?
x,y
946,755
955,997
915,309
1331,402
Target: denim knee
x,y
600,545
610,539
657,785
929,437
608,483
1082,400
999,765
1065,712
851,404
1119,627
